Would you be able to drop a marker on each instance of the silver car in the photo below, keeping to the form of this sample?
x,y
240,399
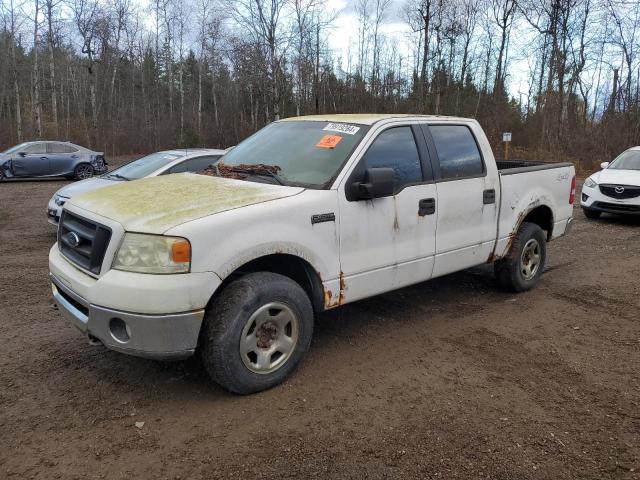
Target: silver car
x,y
159,163
51,159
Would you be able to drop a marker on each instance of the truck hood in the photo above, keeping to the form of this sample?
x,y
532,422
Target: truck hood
x,y
618,177
76,188
156,204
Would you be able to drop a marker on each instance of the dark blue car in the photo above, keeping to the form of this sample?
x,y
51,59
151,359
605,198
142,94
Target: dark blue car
x,y
51,159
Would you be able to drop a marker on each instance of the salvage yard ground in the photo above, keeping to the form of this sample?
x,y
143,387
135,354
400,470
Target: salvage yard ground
x,y
447,379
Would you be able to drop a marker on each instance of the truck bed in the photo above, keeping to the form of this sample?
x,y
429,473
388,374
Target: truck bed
x,y
511,167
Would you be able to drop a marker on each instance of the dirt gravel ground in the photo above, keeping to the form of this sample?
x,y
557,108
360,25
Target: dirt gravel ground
x,y
451,378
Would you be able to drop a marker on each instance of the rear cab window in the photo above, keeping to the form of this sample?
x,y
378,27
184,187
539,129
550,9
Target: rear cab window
x,y
457,152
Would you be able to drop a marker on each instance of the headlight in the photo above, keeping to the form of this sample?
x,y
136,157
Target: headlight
x,y
590,183
60,201
144,253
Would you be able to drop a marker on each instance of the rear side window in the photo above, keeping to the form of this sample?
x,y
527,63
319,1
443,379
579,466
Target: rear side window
x,y
59,148
194,164
458,152
395,148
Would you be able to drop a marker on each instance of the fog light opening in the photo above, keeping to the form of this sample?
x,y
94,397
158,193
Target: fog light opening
x,y
119,330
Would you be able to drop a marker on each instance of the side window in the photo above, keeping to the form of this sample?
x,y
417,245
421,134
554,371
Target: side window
x,y
457,151
35,148
194,164
395,148
59,148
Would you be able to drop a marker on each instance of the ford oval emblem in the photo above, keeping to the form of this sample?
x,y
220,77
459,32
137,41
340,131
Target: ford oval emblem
x,y
619,189
73,239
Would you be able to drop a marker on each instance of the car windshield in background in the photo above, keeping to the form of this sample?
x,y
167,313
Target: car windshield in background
x,y
143,166
17,148
298,152
629,160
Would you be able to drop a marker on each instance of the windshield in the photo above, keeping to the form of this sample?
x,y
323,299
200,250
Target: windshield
x,y
143,166
308,153
629,160
17,148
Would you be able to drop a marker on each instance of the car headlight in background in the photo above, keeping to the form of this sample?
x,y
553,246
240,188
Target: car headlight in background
x,y
60,201
145,253
590,183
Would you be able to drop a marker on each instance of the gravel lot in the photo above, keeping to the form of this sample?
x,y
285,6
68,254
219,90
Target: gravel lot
x,y
447,379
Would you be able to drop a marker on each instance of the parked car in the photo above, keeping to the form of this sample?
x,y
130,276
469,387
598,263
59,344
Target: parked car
x,y
616,188
306,215
51,159
159,163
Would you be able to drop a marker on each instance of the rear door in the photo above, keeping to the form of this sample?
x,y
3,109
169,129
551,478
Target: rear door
x,y
467,206
34,162
62,158
387,243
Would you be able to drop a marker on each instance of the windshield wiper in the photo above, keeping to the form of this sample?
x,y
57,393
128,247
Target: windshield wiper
x,y
258,170
117,175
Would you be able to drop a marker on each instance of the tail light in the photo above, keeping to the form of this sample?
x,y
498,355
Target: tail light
x,y
572,195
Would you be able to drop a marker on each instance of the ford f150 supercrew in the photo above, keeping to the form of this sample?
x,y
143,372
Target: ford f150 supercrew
x,y
308,214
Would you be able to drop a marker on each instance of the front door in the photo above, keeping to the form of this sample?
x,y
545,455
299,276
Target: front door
x,y
387,243
467,199
32,161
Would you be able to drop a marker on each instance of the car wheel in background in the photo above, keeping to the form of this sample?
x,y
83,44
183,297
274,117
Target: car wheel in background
x,y
522,268
255,332
83,171
593,214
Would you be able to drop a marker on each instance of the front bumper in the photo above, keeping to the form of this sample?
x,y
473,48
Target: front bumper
x,y
593,199
163,337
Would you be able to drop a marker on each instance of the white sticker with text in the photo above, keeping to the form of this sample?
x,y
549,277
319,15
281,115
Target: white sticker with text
x,y
342,128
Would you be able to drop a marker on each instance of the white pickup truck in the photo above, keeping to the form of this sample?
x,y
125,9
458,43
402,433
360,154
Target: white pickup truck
x,y
308,214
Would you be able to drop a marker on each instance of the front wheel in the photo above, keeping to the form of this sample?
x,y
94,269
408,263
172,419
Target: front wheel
x,y
522,268
256,332
83,171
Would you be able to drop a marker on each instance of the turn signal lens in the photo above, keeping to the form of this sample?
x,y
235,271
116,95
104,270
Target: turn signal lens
x,y
181,251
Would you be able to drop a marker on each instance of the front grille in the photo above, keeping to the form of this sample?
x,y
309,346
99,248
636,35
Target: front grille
x,y
620,191
82,241
618,207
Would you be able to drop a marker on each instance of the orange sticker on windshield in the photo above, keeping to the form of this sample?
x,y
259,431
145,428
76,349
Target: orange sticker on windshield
x,y
329,141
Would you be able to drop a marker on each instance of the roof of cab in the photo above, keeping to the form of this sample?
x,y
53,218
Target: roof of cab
x,y
366,118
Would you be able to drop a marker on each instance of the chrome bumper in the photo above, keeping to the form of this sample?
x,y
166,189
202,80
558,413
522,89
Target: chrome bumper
x,y
162,337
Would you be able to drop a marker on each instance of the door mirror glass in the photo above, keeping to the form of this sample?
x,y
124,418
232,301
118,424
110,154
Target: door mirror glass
x,y
377,183
22,154
604,165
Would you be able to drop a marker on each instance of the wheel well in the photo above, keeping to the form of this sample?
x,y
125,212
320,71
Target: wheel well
x,y
543,217
296,268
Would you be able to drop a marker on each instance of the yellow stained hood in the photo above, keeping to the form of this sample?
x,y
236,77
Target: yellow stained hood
x,y
154,205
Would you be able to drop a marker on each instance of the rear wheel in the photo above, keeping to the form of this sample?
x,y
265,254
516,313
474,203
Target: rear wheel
x,y
256,332
522,268
593,214
83,171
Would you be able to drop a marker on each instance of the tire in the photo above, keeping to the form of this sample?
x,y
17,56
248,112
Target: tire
x,y
519,271
592,214
245,324
83,171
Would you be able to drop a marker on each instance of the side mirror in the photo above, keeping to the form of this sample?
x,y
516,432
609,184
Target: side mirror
x,y
604,165
377,183
22,154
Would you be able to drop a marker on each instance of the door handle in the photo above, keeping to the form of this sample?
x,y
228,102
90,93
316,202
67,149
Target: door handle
x,y
489,196
426,206
44,158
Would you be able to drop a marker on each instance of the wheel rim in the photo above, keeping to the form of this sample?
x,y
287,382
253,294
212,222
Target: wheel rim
x,y
269,338
84,171
530,259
